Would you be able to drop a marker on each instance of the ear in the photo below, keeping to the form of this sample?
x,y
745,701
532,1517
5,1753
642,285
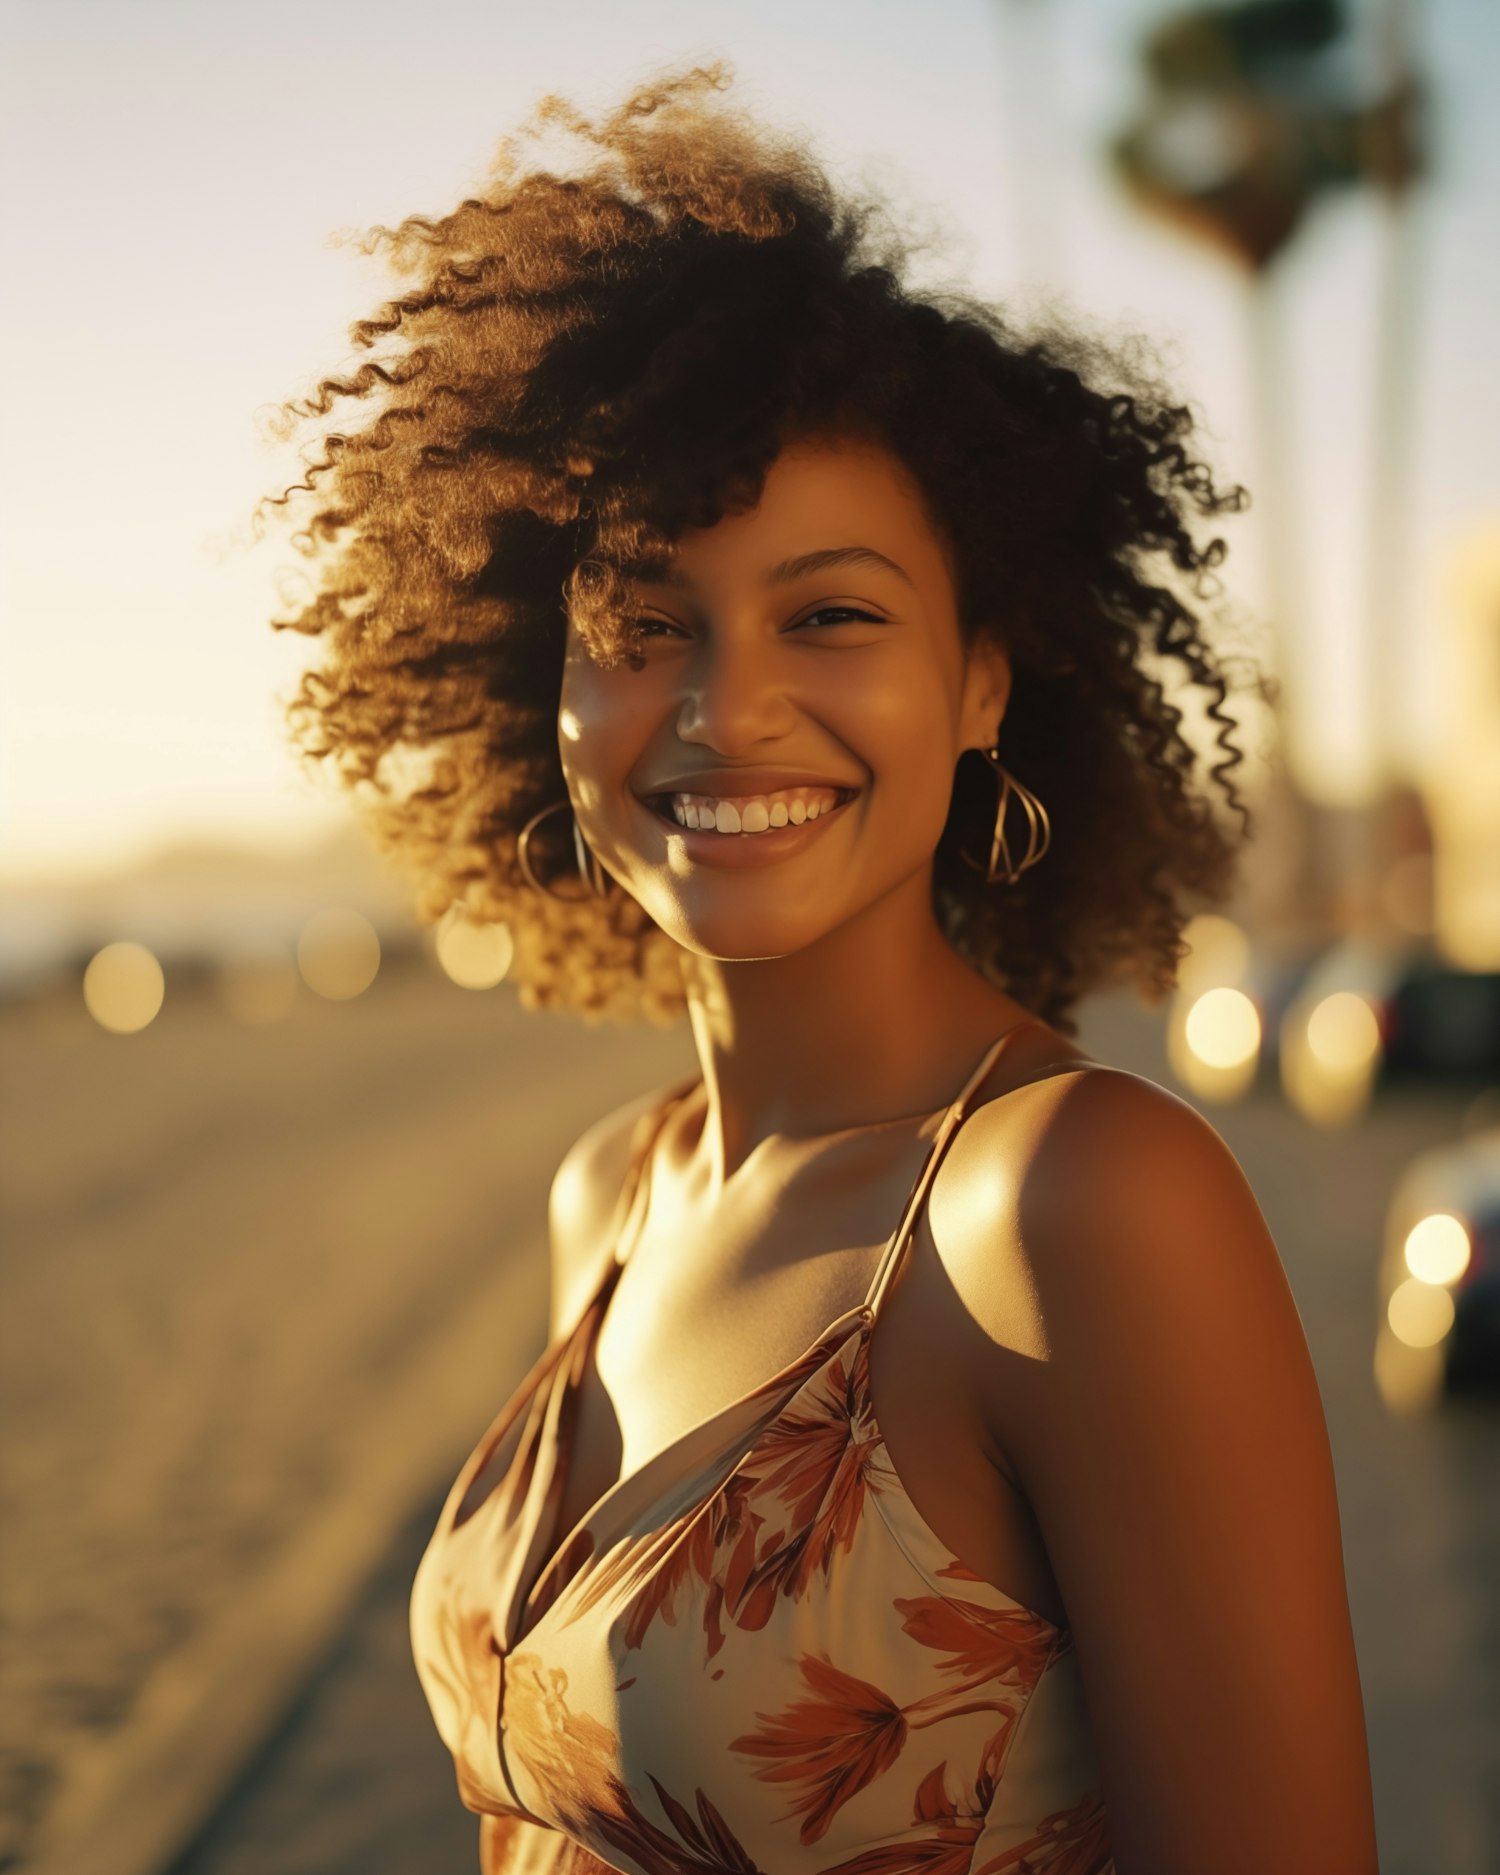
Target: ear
x,y
986,692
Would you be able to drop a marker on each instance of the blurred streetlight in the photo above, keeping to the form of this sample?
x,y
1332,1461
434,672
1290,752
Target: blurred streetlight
x,y
123,988
1331,1052
475,956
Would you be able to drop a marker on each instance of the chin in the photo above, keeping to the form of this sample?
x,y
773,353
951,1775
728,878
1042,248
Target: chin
x,y
754,936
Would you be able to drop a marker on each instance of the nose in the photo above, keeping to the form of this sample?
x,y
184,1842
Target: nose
x,y
734,696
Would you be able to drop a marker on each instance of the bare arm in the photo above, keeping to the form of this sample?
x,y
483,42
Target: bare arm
x,y
1171,1439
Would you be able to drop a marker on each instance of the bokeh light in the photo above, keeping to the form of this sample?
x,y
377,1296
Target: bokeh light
x,y
1343,1034
1419,1314
1437,1248
1331,1052
123,988
474,956
338,953
1213,1042
1223,1028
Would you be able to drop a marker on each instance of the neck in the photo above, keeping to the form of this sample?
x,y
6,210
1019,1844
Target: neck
x,y
880,1020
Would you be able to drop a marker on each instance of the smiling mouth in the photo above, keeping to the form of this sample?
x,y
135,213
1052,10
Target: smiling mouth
x,y
661,806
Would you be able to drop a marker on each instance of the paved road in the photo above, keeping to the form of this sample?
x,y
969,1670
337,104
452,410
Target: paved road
x,y
197,1207
356,1782
222,1251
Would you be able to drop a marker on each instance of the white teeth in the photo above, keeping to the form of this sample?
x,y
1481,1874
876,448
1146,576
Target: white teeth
x,y
750,815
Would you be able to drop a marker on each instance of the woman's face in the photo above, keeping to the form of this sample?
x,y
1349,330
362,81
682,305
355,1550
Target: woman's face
x,y
802,694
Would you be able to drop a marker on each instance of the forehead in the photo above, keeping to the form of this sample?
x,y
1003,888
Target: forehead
x,y
818,496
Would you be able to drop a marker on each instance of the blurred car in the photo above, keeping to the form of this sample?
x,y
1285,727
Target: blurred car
x,y
1439,1273
1433,1018
1371,1011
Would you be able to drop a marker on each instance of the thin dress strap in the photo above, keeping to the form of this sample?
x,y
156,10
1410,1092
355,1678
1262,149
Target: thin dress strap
x,y
622,1239
952,1119
619,1233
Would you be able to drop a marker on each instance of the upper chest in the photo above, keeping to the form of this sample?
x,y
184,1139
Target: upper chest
x,y
713,1301
708,1307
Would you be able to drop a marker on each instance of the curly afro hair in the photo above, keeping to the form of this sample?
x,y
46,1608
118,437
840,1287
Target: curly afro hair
x,y
590,364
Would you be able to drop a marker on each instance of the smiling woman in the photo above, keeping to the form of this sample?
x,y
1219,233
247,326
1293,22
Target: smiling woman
x,y
706,567
586,370
844,665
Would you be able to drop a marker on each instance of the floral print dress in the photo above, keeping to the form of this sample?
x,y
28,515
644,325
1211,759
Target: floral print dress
x,y
752,1654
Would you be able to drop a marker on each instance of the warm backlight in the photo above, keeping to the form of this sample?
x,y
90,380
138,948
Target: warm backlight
x,y
123,987
1223,1028
475,956
1437,1248
1419,1314
1342,1034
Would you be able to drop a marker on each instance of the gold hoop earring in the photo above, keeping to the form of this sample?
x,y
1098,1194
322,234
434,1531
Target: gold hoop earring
x,y
592,873
1000,865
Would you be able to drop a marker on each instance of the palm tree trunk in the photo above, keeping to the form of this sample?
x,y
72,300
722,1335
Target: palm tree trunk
x,y
1285,858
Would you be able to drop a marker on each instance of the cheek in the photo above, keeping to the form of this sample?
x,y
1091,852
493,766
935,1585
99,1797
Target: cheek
x,y
899,721
600,725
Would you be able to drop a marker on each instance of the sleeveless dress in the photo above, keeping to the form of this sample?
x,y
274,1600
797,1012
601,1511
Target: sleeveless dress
x,y
752,1654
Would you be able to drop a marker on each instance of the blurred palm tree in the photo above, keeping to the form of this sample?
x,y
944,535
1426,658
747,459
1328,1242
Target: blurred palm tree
x,y
1256,111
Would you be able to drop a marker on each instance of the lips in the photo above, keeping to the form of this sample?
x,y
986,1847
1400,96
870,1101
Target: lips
x,y
732,783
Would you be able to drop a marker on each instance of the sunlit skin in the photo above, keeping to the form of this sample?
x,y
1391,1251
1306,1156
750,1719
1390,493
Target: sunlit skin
x,y
1090,1374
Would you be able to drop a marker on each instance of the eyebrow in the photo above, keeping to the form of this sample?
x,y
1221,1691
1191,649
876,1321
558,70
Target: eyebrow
x,y
797,568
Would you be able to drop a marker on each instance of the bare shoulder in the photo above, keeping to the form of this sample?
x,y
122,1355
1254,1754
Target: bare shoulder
x,y
586,1192
1108,1201
1145,1374
1090,1174
1106,1157
1139,1225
